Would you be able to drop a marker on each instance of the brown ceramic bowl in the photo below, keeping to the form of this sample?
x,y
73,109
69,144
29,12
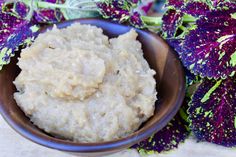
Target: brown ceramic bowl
x,y
170,86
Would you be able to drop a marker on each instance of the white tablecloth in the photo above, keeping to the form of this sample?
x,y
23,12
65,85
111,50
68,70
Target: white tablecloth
x,y
13,145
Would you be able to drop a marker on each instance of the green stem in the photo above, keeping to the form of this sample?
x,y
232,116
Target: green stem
x,y
48,5
183,28
150,20
157,21
188,18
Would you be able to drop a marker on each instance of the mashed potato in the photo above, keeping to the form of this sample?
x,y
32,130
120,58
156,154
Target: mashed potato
x,y
77,84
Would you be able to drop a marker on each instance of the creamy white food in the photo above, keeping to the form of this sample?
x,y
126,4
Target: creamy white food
x,y
77,84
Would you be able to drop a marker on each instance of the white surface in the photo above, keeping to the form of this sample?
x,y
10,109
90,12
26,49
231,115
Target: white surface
x,y
13,145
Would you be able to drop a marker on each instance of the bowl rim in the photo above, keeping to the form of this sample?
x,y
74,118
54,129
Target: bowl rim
x,y
69,146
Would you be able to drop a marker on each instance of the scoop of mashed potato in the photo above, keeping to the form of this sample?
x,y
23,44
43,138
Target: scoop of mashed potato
x,y
77,84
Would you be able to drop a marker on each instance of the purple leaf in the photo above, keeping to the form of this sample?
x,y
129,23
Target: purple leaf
x,y
14,33
8,24
213,112
210,49
216,3
49,15
191,78
227,6
172,19
176,44
21,9
177,4
121,11
169,137
196,8
135,20
113,11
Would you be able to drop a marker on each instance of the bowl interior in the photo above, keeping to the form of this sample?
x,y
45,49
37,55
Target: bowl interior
x,y
170,87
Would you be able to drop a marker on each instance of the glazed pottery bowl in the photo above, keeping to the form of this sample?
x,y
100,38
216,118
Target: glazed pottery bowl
x,y
170,86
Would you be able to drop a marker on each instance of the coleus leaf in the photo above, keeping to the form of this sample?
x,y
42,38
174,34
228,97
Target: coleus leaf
x,y
52,11
21,9
177,4
216,3
172,19
210,49
114,10
186,15
135,20
196,8
213,112
39,15
130,11
169,137
45,15
177,21
26,9
14,32
121,11
48,16
191,78
176,44
227,5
